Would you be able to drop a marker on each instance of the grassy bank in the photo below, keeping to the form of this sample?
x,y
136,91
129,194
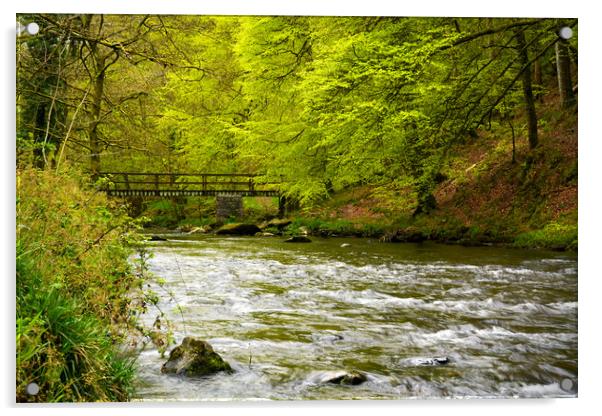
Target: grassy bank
x,y
74,283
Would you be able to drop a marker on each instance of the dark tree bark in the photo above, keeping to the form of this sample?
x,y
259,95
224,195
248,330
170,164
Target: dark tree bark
x,y
527,88
38,128
97,95
563,68
538,79
42,115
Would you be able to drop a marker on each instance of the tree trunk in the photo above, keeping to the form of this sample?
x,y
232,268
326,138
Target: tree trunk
x,y
39,126
527,89
96,110
563,68
538,79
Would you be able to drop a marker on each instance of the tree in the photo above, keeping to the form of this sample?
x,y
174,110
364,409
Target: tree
x,y
42,66
527,88
563,68
317,103
89,83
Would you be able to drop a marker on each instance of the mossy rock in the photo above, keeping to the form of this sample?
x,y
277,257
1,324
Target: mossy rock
x,y
344,378
194,358
238,229
298,239
279,223
407,235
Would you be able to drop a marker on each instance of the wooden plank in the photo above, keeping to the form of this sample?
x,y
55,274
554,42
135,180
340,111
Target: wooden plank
x,y
181,174
197,192
183,183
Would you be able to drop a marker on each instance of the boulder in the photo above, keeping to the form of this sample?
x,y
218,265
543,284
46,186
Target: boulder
x,y
345,378
279,223
194,358
298,239
238,229
185,228
265,234
200,230
435,361
405,235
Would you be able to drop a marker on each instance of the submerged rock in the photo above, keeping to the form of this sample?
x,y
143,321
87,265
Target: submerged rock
x,y
238,229
426,361
298,239
346,378
194,357
327,337
265,234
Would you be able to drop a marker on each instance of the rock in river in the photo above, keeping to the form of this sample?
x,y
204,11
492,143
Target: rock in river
x,y
238,229
279,223
416,361
194,357
157,238
347,378
298,239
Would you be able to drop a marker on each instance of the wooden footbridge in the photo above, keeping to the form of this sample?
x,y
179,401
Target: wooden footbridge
x,y
227,188
129,184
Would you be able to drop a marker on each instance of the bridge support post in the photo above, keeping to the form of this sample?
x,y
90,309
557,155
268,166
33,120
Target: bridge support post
x,y
281,207
228,206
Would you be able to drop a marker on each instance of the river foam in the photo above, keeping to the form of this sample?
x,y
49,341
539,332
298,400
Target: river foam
x,y
285,315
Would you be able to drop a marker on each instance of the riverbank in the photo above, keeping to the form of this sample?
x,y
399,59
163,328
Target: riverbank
x,y
77,294
483,194
491,190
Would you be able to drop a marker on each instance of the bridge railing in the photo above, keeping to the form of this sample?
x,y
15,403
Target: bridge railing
x,y
171,184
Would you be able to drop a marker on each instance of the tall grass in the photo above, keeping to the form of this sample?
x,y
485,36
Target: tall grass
x,y
73,286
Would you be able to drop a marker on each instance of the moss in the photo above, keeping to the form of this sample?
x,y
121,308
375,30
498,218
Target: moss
x,y
556,236
195,358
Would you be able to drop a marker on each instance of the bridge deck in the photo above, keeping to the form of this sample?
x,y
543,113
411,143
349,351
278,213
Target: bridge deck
x,y
186,184
186,192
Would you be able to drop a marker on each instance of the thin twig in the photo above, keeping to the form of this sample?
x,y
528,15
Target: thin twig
x,y
58,162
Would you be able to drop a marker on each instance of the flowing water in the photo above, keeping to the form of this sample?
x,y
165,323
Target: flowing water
x,y
285,316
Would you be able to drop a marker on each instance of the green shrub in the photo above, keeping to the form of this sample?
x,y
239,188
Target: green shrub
x,y
373,230
554,235
75,290
63,347
317,226
259,208
162,212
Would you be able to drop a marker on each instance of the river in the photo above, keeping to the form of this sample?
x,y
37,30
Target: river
x,y
284,315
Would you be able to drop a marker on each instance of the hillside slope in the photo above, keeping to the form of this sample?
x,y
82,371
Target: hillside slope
x,y
483,196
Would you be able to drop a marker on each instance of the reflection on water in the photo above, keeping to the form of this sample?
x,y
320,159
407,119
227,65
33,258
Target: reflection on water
x,y
284,315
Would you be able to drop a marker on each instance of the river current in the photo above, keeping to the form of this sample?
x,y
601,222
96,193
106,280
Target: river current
x,y
286,315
